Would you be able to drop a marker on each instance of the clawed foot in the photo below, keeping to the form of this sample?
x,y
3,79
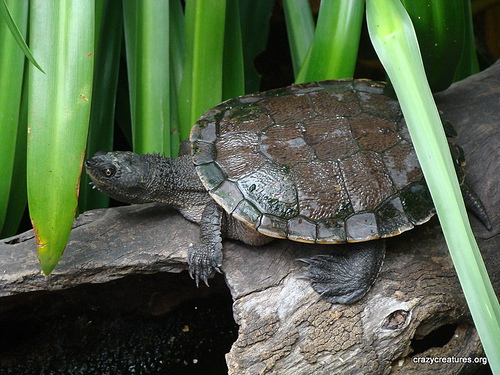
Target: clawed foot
x,y
204,262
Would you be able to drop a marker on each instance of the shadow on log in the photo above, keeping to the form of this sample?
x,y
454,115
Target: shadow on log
x,y
414,310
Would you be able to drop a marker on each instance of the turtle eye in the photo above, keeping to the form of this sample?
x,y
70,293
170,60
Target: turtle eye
x,y
108,171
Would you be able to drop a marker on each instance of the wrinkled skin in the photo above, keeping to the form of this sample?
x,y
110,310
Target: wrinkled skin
x,y
132,178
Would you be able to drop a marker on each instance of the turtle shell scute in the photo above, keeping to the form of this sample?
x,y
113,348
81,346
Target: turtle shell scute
x,y
324,162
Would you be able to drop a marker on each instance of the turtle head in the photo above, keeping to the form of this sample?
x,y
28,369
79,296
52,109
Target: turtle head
x,y
122,175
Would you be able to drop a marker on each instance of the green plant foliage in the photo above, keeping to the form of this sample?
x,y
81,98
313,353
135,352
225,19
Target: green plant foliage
x,y
395,42
62,38
468,64
233,75
254,20
102,114
12,24
11,80
147,44
201,86
334,49
177,60
300,30
18,197
439,25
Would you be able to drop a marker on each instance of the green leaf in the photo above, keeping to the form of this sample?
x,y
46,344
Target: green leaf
x,y
62,38
300,30
468,64
147,43
201,86
18,36
334,49
99,10
102,114
233,81
177,43
18,197
11,81
254,19
439,25
394,39
177,60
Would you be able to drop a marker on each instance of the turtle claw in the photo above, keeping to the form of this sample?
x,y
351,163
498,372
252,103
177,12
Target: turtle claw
x,y
197,276
203,262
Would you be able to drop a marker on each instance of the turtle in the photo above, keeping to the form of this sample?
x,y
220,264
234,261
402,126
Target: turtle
x,y
327,162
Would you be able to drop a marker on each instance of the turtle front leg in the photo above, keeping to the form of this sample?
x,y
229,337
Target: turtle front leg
x,y
205,258
347,275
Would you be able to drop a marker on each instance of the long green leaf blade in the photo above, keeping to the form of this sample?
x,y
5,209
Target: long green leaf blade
x,y
177,43
201,86
16,33
11,81
334,48
62,38
254,19
468,64
147,42
102,113
300,30
233,80
18,197
177,60
186,88
395,42
439,25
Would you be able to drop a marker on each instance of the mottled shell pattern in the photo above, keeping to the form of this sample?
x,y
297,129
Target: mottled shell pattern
x,y
324,162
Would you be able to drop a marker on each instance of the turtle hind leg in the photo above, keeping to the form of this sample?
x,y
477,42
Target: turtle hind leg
x,y
474,205
347,275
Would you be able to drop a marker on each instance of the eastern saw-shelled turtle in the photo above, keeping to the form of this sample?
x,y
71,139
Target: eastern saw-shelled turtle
x,y
323,162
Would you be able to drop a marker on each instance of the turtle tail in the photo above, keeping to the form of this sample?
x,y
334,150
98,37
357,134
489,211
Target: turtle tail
x,y
474,205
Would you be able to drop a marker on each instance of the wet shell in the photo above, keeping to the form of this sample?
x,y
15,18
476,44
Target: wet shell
x,y
325,162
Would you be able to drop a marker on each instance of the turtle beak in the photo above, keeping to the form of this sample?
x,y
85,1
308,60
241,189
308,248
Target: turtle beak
x,y
91,169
